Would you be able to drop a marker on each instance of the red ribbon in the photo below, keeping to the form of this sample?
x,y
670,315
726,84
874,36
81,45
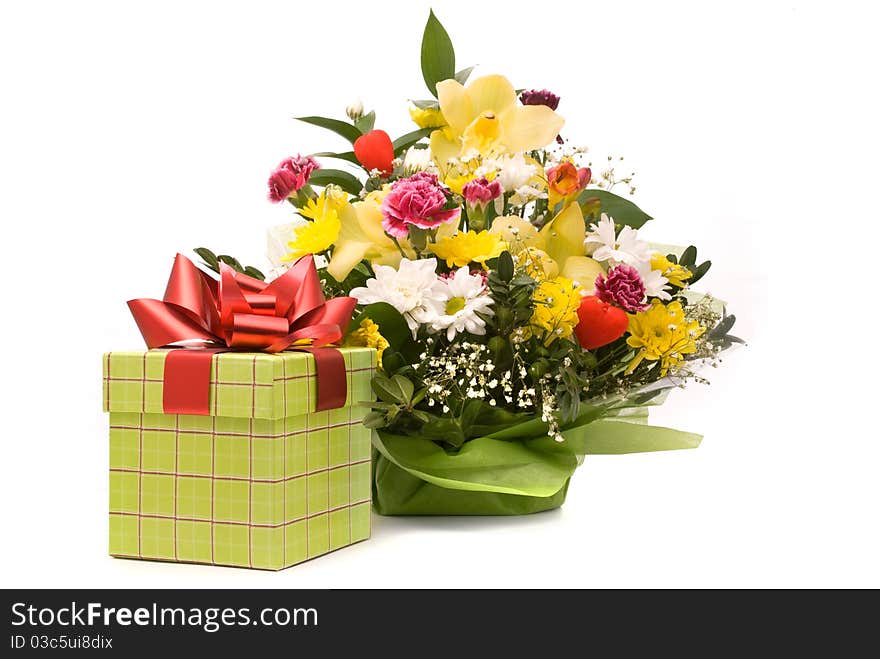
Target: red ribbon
x,y
239,312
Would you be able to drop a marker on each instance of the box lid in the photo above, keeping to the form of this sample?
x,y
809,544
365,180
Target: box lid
x,y
243,384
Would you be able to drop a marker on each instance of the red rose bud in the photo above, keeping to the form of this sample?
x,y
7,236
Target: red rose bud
x,y
599,323
374,150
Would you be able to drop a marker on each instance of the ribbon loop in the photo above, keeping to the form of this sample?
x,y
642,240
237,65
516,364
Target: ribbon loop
x,y
239,312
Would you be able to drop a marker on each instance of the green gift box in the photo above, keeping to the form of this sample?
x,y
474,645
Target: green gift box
x,y
263,482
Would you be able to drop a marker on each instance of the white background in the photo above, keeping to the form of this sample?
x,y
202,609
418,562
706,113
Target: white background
x,y
130,131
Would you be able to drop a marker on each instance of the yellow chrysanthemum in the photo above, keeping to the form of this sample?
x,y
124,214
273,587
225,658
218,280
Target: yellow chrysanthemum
x,y
368,336
556,306
675,273
332,198
322,231
662,333
427,117
464,248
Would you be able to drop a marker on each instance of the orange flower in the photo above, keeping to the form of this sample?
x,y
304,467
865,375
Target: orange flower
x,y
566,181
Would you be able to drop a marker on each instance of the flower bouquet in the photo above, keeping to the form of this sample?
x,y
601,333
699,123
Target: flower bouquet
x,y
521,322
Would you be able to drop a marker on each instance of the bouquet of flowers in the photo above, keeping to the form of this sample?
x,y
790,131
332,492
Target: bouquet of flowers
x,y
521,321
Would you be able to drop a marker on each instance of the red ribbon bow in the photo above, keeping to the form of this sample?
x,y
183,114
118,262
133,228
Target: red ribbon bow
x,y
239,312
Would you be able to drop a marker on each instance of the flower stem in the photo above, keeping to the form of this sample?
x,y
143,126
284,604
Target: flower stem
x,y
399,248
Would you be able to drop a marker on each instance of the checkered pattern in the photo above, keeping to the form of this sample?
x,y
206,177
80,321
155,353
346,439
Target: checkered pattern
x,y
237,488
244,385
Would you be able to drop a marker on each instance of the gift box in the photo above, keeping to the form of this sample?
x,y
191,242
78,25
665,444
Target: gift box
x,y
263,481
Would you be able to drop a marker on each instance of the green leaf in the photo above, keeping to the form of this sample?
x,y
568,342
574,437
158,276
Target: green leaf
x,y
723,328
406,387
622,210
463,75
208,257
342,128
365,124
387,389
348,156
505,267
611,437
344,180
689,257
438,55
426,105
374,420
699,272
392,326
231,261
403,142
251,271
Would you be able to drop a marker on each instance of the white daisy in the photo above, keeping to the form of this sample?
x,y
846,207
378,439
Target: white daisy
x,y
410,289
462,296
624,247
656,284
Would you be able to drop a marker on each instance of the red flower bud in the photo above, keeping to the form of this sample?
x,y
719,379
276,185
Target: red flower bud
x,y
599,323
374,150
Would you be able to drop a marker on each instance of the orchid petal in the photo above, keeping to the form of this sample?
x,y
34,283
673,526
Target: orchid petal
x,y
564,235
455,104
443,149
530,127
492,93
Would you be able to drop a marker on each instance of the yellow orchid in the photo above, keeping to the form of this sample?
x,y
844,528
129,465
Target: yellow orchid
x,y
361,237
517,232
563,240
485,117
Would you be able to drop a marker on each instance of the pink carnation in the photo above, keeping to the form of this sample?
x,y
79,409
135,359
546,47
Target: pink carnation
x,y
290,175
420,201
622,287
480,192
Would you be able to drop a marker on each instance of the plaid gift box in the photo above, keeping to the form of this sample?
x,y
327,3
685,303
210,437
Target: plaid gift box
x,y
263,482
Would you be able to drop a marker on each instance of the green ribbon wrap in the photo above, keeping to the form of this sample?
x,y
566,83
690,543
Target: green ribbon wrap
x,y
517,470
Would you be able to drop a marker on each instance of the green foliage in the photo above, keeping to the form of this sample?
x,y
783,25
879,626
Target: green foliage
x,y
622,210
392,325
438,55
403,142
341,128
366,123
430,104
213,261
688,259
344,180
512,295
720,334
334,288
347,156
462,76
